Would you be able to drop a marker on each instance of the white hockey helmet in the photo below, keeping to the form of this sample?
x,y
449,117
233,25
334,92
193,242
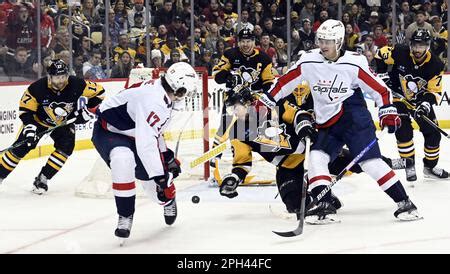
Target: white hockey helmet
x,y
332,30
182,78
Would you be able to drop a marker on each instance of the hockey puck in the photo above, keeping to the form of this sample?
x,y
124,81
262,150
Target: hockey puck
x,y
195,199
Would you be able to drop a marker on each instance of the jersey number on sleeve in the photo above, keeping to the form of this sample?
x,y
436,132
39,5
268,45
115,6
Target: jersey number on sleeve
x,y
153,116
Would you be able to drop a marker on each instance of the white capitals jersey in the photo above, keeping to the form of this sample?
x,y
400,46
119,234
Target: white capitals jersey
x,y
331,83
143,113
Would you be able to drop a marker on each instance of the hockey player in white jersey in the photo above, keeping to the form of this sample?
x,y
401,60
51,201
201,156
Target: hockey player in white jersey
x,y
128,136
337,78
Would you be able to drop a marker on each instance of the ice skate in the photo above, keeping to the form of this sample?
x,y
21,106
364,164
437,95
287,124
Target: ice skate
x,y
321,214
123,228
170,212
434,173
40,185
407,211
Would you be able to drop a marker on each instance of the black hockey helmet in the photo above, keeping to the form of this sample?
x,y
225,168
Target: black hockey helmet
x,y
57,67
246,33
421,36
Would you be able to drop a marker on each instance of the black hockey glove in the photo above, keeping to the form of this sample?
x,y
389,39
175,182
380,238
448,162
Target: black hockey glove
x,y
83,115
29,132
229,184
233,80
165,187
172,164
423,109
304,127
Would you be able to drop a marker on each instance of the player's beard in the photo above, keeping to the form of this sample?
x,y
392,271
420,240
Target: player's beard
x,y
418,55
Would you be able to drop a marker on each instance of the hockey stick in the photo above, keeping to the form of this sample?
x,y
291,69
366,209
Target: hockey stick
x,y
301,215
39,135
341,174
423,117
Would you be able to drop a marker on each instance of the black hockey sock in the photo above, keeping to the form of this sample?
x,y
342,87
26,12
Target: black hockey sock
x,y
125,205
54,163
8,163
397,192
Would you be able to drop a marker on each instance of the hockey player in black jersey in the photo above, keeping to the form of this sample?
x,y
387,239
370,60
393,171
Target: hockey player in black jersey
x,y
49,102
241,66
417,76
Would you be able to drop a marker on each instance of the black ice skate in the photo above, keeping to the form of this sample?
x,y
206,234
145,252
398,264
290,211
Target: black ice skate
x,y
434,173
407,211
40,184
411,172
123,228
399,163
321,214
170,212
335,202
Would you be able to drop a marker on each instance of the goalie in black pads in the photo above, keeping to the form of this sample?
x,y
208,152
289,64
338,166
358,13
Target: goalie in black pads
x,y
417,76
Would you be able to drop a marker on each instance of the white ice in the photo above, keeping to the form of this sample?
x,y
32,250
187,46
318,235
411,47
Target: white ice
x,y
60,222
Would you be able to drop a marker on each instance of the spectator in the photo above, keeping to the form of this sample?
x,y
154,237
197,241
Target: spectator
x,y
258,14
92,69
228,11
227,30
171,45
114,28
307,37
214,14
123,46
78,65
178,30
205,61
245,24
273,31
347,19
406,16
138,28
323,16
351,38
20,65
123,66
211,39
121,16
307,11
266,47
62,40
90,12
47,28
278,18
165,15
156,59
282,56
368,45
174,58
419,24
21,30
138,8
379,38
370,59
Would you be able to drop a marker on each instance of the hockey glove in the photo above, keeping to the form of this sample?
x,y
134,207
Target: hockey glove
x,y
389,117
172,164
83,115
29,132
304,127
229,184
165,187
233,80
422,110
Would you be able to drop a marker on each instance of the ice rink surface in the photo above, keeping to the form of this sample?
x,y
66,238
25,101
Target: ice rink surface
x,y
60,222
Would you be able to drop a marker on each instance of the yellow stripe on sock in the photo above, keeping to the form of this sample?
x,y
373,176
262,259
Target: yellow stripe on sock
x,y
427,150
432,158
12,158
407,144
53,165
5,165
407,155
59,156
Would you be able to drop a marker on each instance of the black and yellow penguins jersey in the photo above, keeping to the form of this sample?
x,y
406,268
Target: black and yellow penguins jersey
x,y
276,142
42,105
411,79
255,69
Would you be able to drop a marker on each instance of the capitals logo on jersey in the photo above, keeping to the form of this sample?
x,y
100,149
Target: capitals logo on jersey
x,y
330,88
411,85
58,112
273,136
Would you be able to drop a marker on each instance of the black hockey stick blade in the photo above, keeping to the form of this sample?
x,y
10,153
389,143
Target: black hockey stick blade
x,y
293,233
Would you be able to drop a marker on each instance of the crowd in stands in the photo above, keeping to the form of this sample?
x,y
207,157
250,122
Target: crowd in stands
x,y
368,26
